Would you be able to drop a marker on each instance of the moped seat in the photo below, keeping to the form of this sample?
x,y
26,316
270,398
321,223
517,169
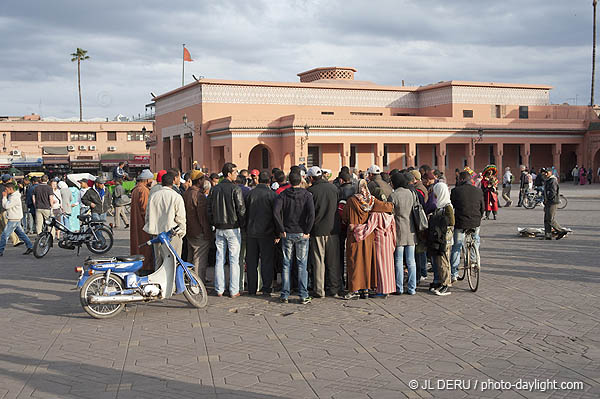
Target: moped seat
x,y
84,218
130,258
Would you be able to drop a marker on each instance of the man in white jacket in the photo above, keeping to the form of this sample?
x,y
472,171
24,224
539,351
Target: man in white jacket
x,y
11,201
165,211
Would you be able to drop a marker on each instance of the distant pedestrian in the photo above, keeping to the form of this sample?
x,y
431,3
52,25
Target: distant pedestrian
x,y
590,174
507,180
199,232
261,231
582,176
120,201
489,185
294,214
575,174
227,212
139,205
11,203
551,201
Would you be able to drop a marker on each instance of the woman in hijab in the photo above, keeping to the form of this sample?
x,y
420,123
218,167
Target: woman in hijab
x,y
360,247
75,209
441,231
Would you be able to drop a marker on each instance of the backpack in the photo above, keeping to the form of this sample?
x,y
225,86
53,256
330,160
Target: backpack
x,y
418,216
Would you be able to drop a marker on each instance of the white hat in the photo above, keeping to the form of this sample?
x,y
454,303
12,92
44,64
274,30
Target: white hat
x,y
146,175
374,170
314,171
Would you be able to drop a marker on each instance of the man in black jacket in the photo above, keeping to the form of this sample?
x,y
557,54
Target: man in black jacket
x,y
294,213
227,212
551,200
260,228
324,237
99,199
469,208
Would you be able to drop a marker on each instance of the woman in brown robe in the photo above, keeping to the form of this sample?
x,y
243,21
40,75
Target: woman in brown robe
x,y
137,235
360,255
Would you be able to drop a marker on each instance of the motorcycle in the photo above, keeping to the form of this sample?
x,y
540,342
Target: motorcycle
x,y
110,283
533,198
97,236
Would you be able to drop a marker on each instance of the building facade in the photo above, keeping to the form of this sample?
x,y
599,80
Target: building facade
x,y
30,144
329,119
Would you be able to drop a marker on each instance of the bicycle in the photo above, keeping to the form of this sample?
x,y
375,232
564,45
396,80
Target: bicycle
x,y
532,199
471,267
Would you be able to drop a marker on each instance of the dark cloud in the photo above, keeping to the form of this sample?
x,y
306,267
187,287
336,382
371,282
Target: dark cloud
x,y
135,46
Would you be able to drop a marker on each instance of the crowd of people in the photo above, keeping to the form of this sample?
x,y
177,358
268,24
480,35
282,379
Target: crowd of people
x,y
357,236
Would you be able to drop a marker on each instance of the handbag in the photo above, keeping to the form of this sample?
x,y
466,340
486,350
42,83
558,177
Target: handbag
x,y
419,218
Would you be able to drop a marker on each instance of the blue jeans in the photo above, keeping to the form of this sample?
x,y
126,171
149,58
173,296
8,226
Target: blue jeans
x,y
13,225
297,241
409,250
228,239
421,260
98,217
459,239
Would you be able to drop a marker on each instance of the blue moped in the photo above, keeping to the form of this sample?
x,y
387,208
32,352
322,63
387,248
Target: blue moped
x,y
110,283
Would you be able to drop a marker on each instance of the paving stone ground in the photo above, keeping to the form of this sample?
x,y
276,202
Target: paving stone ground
x,y
535,317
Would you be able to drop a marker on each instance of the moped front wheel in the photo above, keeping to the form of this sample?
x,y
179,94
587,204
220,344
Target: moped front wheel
x,y
196,294
42,245
104,242
95,286
529,202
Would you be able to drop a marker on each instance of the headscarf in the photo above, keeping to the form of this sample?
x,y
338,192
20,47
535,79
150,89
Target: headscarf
x,y
160,175
364,197
442,195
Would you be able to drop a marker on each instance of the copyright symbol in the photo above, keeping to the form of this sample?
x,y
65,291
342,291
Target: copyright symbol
x,y
413,384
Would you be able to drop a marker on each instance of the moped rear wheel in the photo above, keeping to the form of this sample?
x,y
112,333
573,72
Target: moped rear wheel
x,y
195,294
42,245
95,286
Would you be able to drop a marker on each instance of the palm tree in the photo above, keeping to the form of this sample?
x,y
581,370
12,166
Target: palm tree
x,y
79,55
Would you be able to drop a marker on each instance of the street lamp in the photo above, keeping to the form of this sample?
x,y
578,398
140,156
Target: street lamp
x,y
3,142
303,140
192,129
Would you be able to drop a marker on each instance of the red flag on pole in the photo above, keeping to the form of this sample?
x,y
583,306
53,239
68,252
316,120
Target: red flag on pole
x,y
186,55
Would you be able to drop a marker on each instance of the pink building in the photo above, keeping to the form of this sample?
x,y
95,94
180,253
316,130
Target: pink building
x,y
329,119
30,144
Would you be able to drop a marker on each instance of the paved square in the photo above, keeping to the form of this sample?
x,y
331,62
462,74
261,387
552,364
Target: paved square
x,y
535,317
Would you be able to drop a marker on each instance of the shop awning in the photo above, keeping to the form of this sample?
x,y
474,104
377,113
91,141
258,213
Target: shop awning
x,y
56,160
85,164
55,150
27,163
140,161
5,163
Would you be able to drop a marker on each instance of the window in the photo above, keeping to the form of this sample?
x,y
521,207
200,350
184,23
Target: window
x,y
265,158
492,157
137,136
313,156
352,156
402,114
111,136
385,155
326,112
54,136
467,113
83,136
367,113
498,109
23,136
523,112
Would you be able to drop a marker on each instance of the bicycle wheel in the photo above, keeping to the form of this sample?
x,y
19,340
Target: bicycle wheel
x,y
529,202
463,261
473,273
562,202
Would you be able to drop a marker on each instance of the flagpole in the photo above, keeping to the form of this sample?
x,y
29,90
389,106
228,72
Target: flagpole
x,y
182,64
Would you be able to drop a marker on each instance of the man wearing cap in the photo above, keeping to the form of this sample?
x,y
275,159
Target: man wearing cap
x,y
254,177
198,230
43,199
98,199
139,204
551,201
324,236
377,187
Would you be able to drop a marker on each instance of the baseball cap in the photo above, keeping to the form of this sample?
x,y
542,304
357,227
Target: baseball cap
x,y
314,171
374,170
101,180
542,170
416,174
254,172
6,177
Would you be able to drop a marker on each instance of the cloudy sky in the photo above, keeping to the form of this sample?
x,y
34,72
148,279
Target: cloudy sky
x,y
135,46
